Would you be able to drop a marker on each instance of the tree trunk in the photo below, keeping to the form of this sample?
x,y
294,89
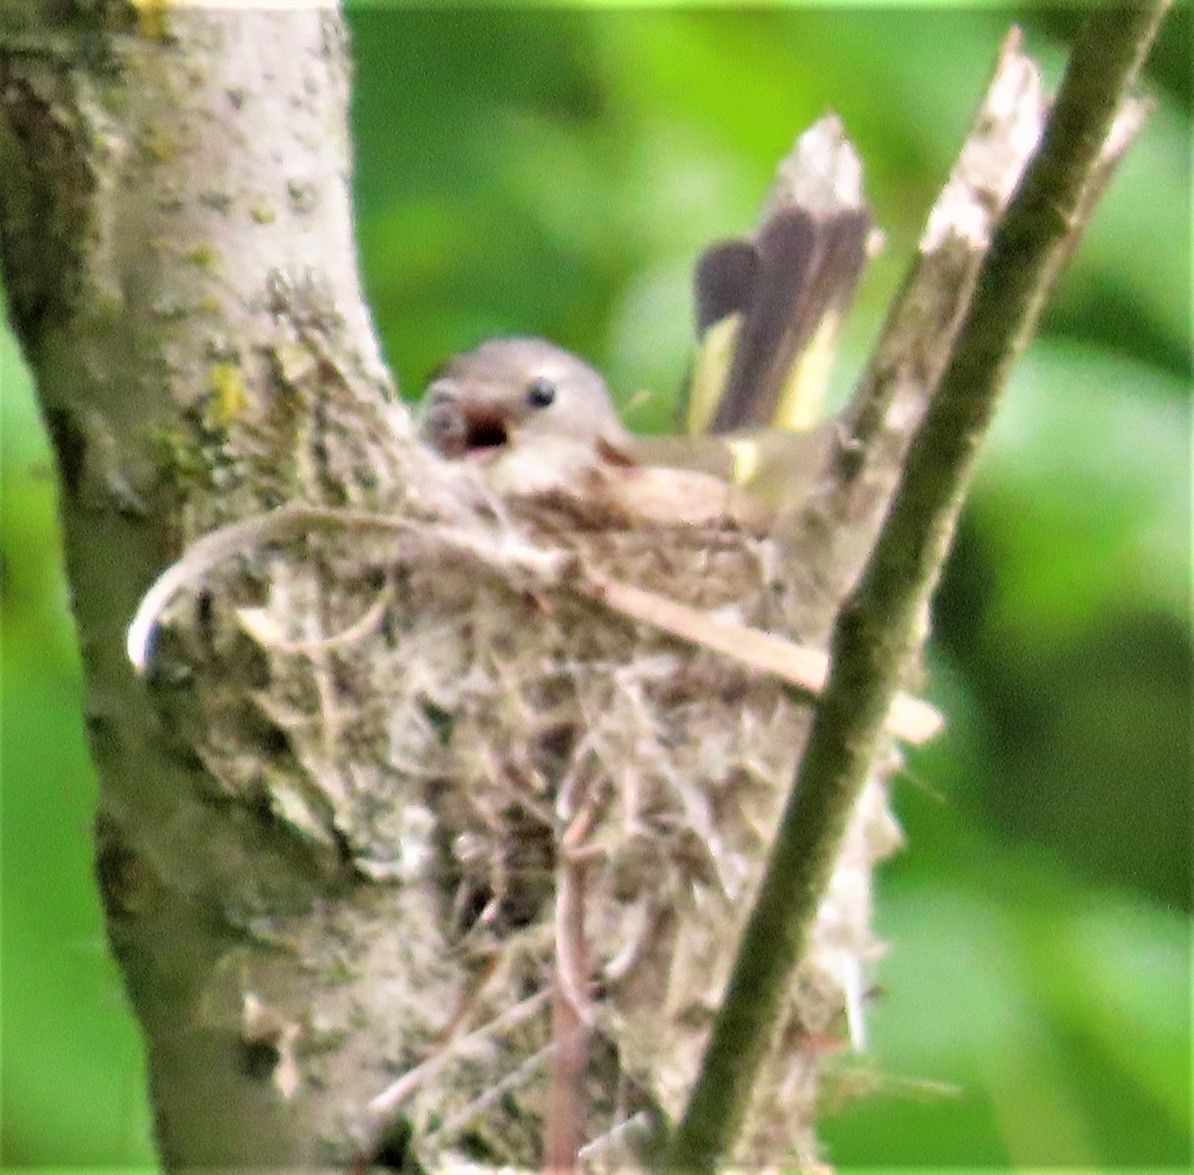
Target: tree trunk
x,y
176,209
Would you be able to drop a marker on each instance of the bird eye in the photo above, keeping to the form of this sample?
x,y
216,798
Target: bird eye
x,y
541,393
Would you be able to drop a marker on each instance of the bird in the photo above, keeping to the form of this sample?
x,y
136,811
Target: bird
x,y
768,311
535,418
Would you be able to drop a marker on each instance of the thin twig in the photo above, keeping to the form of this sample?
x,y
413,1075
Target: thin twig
x,y
621,1136
571,1012
563,1125
879,626
801,666
517,1078
297,519
261,626
390,1098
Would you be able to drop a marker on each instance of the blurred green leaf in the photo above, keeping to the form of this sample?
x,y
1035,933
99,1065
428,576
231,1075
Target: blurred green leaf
x,y
1054,1019
1084,494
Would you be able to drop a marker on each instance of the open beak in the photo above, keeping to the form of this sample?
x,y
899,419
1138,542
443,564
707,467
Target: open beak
x,y
460,427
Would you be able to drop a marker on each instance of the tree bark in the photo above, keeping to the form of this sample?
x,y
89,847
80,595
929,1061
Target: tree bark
x,y
174,214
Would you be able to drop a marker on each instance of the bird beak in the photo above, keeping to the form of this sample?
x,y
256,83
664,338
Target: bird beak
x,y
460,427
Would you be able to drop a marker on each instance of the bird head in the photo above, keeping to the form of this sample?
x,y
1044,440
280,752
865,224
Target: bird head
x,y
511,390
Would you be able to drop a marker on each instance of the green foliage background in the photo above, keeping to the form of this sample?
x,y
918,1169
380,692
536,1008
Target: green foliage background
x,y
556,172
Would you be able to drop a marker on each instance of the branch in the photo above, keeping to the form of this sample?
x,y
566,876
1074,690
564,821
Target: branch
x,y
879,626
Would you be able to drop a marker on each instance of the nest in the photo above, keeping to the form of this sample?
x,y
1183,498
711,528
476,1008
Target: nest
x,y
586,799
